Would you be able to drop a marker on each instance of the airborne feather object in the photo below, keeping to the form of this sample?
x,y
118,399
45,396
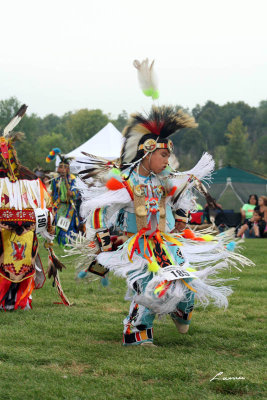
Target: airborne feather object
x,y
147,78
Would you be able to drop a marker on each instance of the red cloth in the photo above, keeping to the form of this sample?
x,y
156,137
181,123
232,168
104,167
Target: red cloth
x,y
196,218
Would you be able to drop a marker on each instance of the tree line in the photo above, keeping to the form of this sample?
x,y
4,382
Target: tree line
x,y
234,133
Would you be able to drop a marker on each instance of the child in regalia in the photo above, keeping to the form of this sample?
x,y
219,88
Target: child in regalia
x,y
165,273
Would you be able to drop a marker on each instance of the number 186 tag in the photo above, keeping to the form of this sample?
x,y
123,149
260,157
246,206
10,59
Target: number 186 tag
x,y
173,272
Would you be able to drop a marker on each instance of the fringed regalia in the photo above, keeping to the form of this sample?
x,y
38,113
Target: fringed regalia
x,y
25,211
64,197
165,273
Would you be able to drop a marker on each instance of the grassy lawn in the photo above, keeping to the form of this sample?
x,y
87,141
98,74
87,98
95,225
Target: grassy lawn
x,y
58,352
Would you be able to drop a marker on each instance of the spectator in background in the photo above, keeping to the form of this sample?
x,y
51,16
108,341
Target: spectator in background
x,y
262,206
248,208
253,227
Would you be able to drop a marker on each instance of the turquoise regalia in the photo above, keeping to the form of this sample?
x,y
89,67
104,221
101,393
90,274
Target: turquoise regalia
x,y
65,206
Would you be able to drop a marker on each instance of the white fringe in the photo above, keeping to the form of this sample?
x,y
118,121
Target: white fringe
x,y
16,192
84,247
167,303
120,265
111,197
208,291
203,169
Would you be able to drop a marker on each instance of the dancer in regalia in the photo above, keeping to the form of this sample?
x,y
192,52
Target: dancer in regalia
x,y
26,210
64,196
165,273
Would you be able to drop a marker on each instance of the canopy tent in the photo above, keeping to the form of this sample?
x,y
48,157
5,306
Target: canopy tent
x,y
106,143
232,186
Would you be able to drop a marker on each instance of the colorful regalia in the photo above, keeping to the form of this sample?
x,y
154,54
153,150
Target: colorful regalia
x,y
25,211
64,196
165,272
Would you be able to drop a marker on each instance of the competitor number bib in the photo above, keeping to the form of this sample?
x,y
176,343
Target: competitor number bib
x,y
173,272
63,223
41,216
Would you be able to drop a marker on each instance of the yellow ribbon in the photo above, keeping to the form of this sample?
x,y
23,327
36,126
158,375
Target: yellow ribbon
x,y
171,239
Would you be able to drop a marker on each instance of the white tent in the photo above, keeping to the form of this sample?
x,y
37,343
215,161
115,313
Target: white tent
x,y
106,143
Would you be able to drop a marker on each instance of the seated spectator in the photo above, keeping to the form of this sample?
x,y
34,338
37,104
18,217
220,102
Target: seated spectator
x,y
253,227
248,208
262,206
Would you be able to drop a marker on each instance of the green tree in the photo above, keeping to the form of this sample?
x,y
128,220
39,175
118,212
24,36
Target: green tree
x,y
220,156
27,149
49,123
237,151
46,143
84,124
121,120
8,109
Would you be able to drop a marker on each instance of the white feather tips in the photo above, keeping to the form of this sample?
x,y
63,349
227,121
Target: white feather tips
x,y
147,78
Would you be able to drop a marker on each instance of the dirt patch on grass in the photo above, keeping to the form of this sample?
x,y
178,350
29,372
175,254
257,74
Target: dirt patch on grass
x,y
227,352
110,308
104,342
150,381
71,369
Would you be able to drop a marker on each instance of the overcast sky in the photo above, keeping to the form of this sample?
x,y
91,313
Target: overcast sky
x,y
61,55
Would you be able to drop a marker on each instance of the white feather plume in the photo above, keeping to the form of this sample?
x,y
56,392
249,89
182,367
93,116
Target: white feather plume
x,y
147,77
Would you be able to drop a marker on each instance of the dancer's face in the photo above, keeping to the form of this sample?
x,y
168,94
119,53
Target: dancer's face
x,y
157,161
63,169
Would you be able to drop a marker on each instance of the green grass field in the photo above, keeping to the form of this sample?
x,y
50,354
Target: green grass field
x,y
58,352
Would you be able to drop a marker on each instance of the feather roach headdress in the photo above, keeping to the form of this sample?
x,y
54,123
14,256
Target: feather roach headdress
x,y
159,124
